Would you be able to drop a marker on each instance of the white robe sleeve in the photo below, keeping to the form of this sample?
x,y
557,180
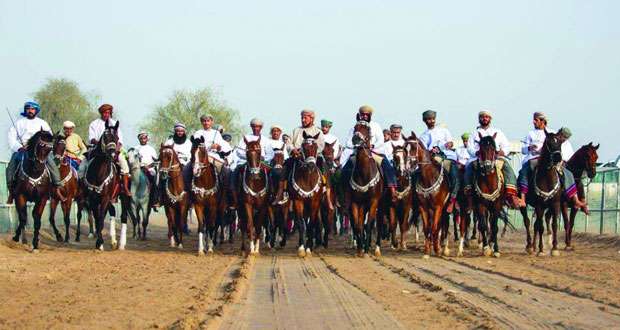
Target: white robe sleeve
x,y
14,143
92,132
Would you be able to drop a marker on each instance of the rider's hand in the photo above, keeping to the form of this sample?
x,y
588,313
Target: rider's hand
x,y
93,141
295,153
532,148
216,146
435,150
501,153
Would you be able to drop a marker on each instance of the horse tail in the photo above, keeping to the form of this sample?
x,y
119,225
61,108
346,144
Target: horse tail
x,y
503,214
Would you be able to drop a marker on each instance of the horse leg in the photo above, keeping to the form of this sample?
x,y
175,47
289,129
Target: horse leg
x,y
539,229
463,226
529,246
170,212
200,216
426,228
181,222
91,224
494,231
403,225
357,223
554,227
436,227
79,222
66,211
112,211
570,226
125,212
483,228
212,227
394,220
53,205
298,208
98,216
445,233
37,211
548,216
249,214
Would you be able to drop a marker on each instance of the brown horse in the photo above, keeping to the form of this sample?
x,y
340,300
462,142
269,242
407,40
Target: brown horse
x,y
398,212
102,182
432,193
584,160
364,190
463,216
489,195
306,192
206,193
328,163
174,197
278,213
546,195
68,186
253,197
33,184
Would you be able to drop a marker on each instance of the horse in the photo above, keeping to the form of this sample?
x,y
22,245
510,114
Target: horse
x,y
141,194
431,193
206,193
398,212
489,195
328,163
174,196
305,190
546,195
253,197
33,184
279,213
364,190
102,183
583,160
463,216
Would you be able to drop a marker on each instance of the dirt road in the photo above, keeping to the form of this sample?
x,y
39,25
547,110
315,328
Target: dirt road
x,y
151,285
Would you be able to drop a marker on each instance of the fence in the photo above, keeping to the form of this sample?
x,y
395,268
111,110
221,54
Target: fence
x,y
602,194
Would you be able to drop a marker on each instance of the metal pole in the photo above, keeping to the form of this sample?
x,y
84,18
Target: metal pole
x,y
617,172
602,219
587,195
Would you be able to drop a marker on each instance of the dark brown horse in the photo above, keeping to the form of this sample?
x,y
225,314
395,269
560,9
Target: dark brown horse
x,y
432,193
102,182
328,163
489,195
278,213
33,184
253,196
306,191
463,216
583,161
364,190
546,194
68,186
206,193
398,212
174,196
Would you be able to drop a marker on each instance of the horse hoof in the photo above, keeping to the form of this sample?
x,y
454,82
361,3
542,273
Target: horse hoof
x,y
77,239
308,253
210,251
201,253
35,251
540,254
555,253
366,255
497,254
426,256
569,248
377,252
301,252
459,253
487,252
446,252
121,247
91,236
114,245
180,246
59,238
101,248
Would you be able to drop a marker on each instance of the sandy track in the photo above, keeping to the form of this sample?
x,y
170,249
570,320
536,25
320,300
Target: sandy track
x,y
292,293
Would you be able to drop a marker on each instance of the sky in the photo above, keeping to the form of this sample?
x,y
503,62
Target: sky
x,y
271,59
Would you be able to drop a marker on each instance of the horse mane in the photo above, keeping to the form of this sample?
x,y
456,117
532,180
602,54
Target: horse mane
x,y
40,135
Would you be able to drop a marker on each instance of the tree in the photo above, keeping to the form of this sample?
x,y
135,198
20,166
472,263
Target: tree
x,y
61,99
186,106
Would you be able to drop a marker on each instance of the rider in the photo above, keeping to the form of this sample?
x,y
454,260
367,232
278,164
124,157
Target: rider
x,y
462,153
531,149
376,145
95,131
503,146
147,156
276,141
183,147
294,149
386,136
74,145
18,137
396,140
326,126
439,142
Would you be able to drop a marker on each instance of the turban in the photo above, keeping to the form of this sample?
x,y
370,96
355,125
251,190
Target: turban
x,y
31,105
179,125
105,107
366,109
307,112
326,123
485,113
227,137
68,124
205,117
428,114
465,136
143,133
540,115
256,122
276,127
565,131
395,126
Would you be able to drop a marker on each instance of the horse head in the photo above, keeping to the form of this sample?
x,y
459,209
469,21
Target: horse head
x,y
277,162
309,148
253,155
401,159
40,145
60,145
551,153
590,159
108,144
329,155
169,161
487,155
200,155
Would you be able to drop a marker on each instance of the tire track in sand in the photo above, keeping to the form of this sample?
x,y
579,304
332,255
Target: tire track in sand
x,y
294,293
511,303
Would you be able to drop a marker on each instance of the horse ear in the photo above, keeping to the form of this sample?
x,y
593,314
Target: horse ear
x,y
245,140
106,124
155,159
192,139
304,135
161,146
413,136
598,145
480,135
118,122
259,138
316,136
494,135
202,139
